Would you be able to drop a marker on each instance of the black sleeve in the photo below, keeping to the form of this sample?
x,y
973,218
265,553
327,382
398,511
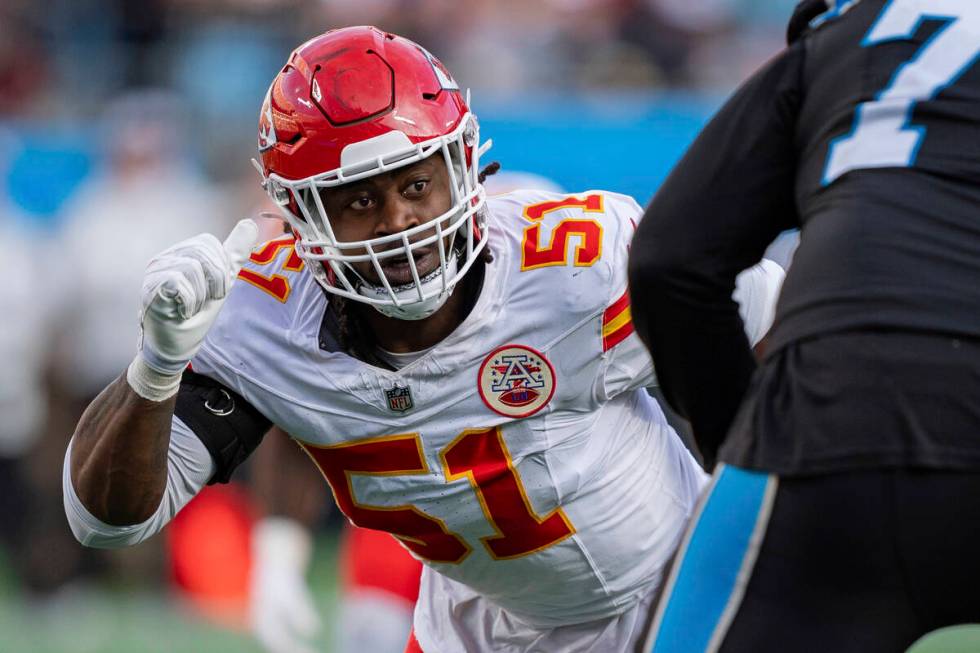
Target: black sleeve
x,y
228,426
727,199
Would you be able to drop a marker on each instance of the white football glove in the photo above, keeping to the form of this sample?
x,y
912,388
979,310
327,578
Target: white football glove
x,y
283,615
183,290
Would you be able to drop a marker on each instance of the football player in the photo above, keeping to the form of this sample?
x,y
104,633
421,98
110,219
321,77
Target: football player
x,y
463,372
845,513
379,579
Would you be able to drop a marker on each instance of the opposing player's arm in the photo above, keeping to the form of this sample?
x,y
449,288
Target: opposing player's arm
x,y
627,364
727,199
117,465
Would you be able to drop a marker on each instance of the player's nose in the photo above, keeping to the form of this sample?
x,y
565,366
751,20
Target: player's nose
x,y
397,215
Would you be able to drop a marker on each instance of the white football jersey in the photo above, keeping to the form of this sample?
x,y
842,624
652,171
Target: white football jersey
x,y
521,456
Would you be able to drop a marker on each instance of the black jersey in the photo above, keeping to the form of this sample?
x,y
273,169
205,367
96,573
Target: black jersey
x,y
864,133
887,145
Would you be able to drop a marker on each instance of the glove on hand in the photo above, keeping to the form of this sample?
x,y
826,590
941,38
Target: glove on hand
x,y
183,290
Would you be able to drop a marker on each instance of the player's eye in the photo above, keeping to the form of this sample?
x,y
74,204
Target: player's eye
x,y
417,187
362,203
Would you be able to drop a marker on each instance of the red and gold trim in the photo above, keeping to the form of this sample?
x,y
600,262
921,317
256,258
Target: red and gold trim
x,y
617,322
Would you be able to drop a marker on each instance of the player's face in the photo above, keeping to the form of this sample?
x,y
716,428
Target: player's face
x,y
389,204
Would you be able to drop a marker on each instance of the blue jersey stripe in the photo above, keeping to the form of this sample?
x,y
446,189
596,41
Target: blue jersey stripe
x,y
712,561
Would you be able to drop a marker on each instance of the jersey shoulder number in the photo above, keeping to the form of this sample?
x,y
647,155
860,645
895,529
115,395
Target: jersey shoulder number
x,y
882,134
566,230
574,226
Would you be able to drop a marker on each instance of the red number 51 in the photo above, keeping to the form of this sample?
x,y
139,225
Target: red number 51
x,y
589,232
481,456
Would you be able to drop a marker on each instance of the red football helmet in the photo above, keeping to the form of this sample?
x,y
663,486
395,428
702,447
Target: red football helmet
x,y
357,102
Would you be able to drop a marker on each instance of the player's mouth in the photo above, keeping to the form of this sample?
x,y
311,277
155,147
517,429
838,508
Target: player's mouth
x,y
398,271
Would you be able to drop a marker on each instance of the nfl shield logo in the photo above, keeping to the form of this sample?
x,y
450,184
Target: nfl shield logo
x,y
399,399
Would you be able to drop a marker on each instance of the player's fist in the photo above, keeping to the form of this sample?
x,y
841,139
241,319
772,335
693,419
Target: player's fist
x,y
183,290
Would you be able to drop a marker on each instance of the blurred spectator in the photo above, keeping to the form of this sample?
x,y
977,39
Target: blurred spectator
x,y
67,291
146,197
222,54
23,66
218,52
25,296
24,293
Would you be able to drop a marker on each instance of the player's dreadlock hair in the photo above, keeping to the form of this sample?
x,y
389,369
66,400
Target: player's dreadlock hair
x,y
354,337
491,169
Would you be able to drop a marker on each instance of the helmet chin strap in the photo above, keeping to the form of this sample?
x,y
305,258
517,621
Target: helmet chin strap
x,y
411,308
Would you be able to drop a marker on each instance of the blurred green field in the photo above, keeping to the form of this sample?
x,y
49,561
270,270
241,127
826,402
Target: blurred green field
x,y
103,619
145,619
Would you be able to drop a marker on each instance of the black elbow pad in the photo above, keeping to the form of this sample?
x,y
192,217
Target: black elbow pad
x,y
228,426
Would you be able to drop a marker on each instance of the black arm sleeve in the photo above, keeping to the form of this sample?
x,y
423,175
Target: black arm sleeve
x,y
726,200
228,426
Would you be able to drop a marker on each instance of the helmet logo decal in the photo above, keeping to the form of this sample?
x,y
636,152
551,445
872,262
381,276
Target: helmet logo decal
x,y
446,81
267,128
316,92
516,381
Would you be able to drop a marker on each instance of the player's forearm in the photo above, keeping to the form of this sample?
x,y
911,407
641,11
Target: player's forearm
x,y
119,455
700,352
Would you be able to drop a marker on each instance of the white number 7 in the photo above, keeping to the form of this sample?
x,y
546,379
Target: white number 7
x,y
882,135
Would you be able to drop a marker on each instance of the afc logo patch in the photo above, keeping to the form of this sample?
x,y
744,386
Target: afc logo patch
x,y
399,399
516,381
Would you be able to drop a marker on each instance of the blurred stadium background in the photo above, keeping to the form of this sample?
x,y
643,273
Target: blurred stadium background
x,y
127,125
